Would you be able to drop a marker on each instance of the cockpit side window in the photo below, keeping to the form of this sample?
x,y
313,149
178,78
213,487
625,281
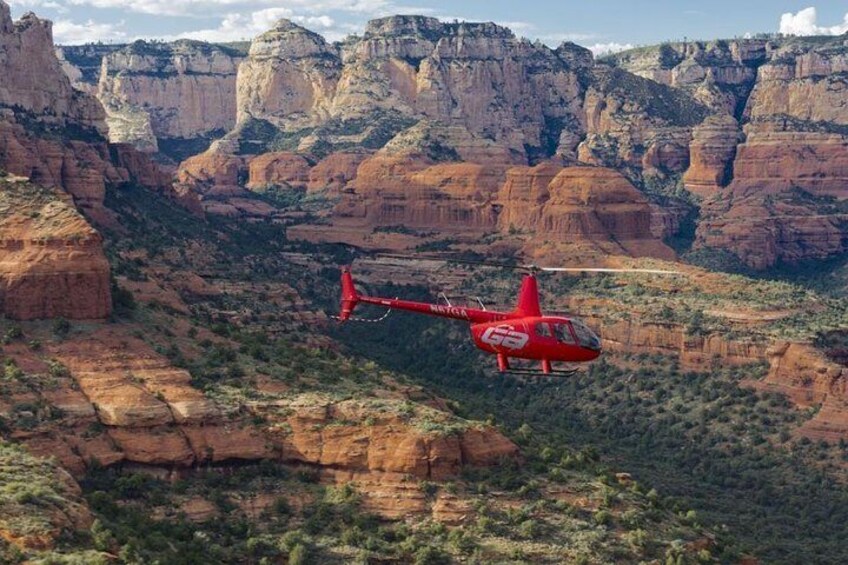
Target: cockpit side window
x,y
563,334
543,329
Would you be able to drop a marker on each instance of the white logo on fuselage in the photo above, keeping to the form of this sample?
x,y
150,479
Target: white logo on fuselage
x,y
505,337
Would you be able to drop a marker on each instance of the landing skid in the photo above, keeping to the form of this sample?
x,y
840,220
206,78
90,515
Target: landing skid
x,y
537,373
547,369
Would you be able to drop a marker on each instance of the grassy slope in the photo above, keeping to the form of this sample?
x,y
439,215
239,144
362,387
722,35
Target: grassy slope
x,y
518,517
712,446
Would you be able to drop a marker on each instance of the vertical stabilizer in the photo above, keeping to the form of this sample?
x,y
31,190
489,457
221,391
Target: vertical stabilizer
x,y
528,298
349,296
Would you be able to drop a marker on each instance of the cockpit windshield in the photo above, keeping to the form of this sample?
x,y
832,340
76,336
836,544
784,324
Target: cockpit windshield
x,y
585,336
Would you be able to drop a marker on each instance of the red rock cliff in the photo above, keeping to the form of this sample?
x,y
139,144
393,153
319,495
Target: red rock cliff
x,y
51,260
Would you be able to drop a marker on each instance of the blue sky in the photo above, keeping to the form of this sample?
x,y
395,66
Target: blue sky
x,y
600,24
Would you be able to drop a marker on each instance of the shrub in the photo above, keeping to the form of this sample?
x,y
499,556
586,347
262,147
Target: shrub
x,y
12,372
429,555
298,555
123,301
12,334
602,518
61,327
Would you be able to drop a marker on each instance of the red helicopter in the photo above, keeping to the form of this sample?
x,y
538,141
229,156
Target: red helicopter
x,y
523,333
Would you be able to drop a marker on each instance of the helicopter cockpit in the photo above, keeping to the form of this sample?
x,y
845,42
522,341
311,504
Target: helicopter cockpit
x,y
576,334
585,336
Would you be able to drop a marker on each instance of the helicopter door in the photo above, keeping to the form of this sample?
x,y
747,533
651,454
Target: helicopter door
x,y
564,335
543,330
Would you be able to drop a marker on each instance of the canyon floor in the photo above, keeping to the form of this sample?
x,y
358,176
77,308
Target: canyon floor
x,y
222,410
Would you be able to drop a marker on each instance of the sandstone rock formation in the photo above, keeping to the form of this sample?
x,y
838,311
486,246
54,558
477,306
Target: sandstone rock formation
x,y
52,262
33,81
720,74
785,201
635,123
425,93
784,204
711,154
450,107
53,134
802,80
299,92
51,141
601,207
83,63
176,93
582,205
808,378
289,70
279,169
122,402
335,171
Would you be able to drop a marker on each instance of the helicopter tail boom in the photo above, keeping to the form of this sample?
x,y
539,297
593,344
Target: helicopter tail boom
x,y
350,299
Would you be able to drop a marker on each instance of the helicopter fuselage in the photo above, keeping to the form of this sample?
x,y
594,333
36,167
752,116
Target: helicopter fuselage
x,y
538,338
523,333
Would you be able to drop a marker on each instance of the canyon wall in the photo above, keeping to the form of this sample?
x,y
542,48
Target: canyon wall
x,y
161,96
299,92
752,129
474,93
770,165
54,134
55,160
416,123
637,125
33,80
720,74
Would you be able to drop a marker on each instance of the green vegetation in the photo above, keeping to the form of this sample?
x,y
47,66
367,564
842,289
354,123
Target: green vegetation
x,y
658,101
705,454
179,149
35,125
316,524
35,499
370,131
713,446
261,136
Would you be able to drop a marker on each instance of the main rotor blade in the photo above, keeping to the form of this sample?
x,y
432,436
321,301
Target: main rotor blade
x,y
528,268
601,270
449,259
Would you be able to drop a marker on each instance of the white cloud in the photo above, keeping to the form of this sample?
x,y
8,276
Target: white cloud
x,y
608,48
38,4
67,32
213,7
235,27
805,22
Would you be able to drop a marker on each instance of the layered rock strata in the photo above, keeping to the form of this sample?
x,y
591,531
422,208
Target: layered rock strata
x,y
300,92
51,260
122,403
158,96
